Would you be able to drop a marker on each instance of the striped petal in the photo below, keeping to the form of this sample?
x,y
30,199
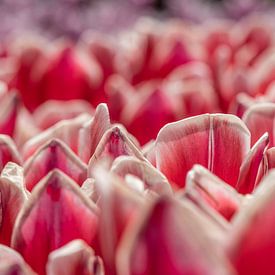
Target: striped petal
x,y
218,142
114,143
54,154
169,238
56,213
212,191
92,132
251,165
118,205
13,197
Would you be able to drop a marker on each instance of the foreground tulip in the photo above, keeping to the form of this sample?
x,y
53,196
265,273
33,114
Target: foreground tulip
x,y
152,239
56,213
209,140
251,245
74,258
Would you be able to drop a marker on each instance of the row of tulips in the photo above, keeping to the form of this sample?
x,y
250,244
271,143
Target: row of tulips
x,y
83,197
156,181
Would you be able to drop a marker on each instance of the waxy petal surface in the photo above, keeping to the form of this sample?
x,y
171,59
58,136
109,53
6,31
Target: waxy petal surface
x,y
12,263
8,151
119,206
73,258
92,132
114,143
250,167
218,142
54,154
251,243
212,191
153,179
56,213
13,197
168,239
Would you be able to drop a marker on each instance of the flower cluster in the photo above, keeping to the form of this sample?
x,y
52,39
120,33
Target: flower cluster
x,y
145,153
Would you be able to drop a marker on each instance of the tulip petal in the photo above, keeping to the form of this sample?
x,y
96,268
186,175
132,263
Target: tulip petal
x,y
119,92
69,74
119,206
212,191
9,110
140,111
12,263
8,151
251,165
92,132
260,119
73,258
169,238
251,244
218,142
56,213
153,179
52,111
114,143
54,154
65,130
13,197
89,189
22,133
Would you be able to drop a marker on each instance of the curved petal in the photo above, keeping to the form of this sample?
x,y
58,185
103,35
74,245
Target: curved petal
x,y
114,143
89,189
269,159
52,111
212,191
73,258
9,110
119,206
69,74
169,238
12,263
65,130
13,197
140,112
119,92
92,132
260,119
250,167
153,179
56,213
8,151
251,243
54,154
218,142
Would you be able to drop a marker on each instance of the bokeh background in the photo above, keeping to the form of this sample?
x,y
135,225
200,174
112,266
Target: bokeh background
x,y
71,17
